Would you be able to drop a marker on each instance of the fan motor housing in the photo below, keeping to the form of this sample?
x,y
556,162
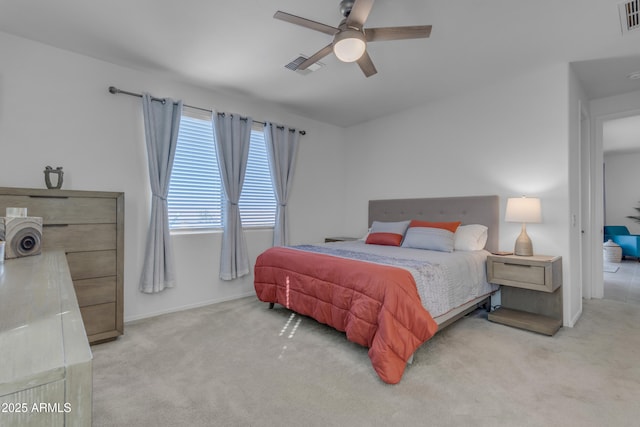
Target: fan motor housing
x,y
345,7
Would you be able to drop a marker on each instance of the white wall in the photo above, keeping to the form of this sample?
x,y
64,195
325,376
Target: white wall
x,y
508,139
622,192
55,110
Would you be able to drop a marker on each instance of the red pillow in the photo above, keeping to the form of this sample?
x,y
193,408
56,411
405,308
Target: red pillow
x,y
388,239
451,226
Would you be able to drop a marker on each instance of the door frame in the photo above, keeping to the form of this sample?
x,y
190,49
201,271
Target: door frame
x,y
584,200
596,204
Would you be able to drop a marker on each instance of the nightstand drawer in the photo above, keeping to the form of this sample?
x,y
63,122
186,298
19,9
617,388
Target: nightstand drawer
x,y
534,275
538,272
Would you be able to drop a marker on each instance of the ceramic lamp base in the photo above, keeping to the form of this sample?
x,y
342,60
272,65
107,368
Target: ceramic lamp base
x,y
523,247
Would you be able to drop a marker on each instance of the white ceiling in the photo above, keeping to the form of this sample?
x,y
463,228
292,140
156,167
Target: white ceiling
x,y
237,47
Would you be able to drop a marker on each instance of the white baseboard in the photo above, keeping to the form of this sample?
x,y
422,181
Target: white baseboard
x,y
187,307
575,318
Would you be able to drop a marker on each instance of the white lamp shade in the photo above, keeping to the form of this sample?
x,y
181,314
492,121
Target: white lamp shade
x,y
523,209
349,46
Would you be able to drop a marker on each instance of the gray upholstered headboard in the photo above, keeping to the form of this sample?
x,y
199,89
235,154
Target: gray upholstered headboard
x,y
470,210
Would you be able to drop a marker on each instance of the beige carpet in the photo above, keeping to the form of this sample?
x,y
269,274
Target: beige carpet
x,y
239,364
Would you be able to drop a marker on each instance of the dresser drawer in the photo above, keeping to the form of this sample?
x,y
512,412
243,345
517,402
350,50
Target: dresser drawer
x,y
64,210
87,265
95,291
79,237
99,318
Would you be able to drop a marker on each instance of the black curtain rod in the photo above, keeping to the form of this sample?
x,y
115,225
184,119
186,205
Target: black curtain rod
x,y
114,90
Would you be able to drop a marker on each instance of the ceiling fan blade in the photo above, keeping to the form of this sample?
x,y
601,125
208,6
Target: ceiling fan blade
x,y
366,65
359,13
316,57
307,23
397,33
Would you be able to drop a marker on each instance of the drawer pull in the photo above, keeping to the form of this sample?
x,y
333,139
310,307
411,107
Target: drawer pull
x,y
47,197
518,265
55,225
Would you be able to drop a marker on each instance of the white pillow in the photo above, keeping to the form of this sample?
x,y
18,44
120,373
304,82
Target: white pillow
x,y
471,237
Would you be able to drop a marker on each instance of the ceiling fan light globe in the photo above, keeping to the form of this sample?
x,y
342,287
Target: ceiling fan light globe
x,y
349,46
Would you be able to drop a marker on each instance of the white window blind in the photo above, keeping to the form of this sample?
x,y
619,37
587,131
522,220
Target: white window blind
x,y
257,201
195,189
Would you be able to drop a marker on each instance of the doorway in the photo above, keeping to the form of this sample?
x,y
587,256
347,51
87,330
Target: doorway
x,y
621,157
598,208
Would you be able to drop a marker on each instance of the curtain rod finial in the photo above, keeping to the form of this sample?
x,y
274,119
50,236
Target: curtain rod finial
x,y
113,90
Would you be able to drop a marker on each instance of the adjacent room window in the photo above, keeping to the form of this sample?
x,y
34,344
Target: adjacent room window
x,y
195,190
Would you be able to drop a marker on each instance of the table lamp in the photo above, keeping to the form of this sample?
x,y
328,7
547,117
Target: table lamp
x,y
523,209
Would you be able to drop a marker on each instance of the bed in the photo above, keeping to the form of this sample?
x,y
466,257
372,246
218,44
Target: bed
x,y
389,298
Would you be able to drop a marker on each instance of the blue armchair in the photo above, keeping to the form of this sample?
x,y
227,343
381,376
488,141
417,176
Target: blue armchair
x,y
630,243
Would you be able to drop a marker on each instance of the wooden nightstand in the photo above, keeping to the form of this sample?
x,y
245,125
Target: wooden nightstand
x,y
339,239
531,291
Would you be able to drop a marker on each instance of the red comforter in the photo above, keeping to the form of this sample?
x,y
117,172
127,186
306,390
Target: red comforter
x,y
376,305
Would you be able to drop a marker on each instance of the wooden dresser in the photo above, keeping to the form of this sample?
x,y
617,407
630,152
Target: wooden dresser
x,y
89,227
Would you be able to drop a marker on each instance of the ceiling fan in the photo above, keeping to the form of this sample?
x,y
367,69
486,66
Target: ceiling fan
x,y
350,37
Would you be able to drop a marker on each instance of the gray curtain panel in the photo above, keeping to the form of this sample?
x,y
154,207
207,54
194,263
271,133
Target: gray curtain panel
x,y
161,124
282,146
232,136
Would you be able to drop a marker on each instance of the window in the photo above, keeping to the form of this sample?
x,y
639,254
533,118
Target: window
x,y
195,189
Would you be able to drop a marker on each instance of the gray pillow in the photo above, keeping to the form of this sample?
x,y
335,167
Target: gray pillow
x,y
434,239
387,233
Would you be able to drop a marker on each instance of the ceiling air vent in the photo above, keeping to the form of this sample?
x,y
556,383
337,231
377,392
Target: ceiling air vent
x,y
630,16
293,65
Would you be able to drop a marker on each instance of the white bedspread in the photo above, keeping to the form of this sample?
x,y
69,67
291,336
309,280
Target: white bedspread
x,y
444,280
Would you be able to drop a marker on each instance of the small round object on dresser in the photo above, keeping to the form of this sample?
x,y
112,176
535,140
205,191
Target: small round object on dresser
x,y
612,252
